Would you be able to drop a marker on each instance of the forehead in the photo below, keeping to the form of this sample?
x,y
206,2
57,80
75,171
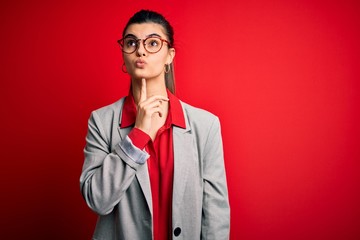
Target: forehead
x,y
142,30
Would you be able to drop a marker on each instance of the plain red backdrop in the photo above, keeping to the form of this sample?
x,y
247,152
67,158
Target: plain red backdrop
x,y
283,76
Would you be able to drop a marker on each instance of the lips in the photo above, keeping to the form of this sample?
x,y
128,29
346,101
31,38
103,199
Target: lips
x,y
140,63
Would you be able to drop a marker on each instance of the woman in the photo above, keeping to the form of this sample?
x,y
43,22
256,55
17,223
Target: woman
x,y
154,165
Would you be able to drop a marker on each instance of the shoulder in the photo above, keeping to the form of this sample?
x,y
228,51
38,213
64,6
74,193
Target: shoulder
x,y
108,112
197,113
198,117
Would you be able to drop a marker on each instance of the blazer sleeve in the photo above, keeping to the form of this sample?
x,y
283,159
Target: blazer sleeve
x,y
216,209
106,174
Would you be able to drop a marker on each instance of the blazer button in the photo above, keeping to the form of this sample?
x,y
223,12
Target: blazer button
x,y
177,231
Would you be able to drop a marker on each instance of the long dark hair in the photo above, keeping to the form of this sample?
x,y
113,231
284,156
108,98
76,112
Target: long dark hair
x,y
147,16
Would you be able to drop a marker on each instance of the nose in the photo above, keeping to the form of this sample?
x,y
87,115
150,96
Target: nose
x,y
140,51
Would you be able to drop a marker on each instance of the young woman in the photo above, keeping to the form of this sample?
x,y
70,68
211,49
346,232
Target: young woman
x,y
154,166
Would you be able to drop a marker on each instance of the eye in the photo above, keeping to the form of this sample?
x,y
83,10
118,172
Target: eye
x,y
130,42
153,42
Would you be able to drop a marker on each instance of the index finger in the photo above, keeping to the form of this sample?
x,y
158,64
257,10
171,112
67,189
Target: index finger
x,y
143,96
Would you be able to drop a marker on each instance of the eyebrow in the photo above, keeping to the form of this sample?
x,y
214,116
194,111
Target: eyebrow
x,y
154,35
150,35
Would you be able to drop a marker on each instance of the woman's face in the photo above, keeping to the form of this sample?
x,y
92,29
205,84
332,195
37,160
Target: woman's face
x,y
141,63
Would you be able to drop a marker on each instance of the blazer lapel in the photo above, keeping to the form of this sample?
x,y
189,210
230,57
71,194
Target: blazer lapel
x,y
143,177
183,152
142,173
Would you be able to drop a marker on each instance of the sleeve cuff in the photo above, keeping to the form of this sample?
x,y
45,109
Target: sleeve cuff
x,y
134,153
139,138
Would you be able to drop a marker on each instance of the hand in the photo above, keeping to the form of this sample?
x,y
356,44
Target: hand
x,y
147,107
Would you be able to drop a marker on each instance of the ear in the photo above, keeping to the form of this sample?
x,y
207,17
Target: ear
x,y
171,55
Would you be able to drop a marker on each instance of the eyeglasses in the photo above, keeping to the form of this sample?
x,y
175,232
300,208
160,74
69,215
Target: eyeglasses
x,y
151,44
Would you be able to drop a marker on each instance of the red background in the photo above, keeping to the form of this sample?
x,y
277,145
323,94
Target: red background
x,y
283,76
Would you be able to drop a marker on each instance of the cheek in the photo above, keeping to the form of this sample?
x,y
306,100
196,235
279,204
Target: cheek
x,y
129,62
127,59
158,61
158,65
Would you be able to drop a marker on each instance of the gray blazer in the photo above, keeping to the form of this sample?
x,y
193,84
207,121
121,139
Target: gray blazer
x,y
115,180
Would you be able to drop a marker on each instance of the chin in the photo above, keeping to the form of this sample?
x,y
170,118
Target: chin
x,y
139,73
143,74
139,76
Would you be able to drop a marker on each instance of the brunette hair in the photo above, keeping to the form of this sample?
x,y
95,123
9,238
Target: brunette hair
x,y
148,16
